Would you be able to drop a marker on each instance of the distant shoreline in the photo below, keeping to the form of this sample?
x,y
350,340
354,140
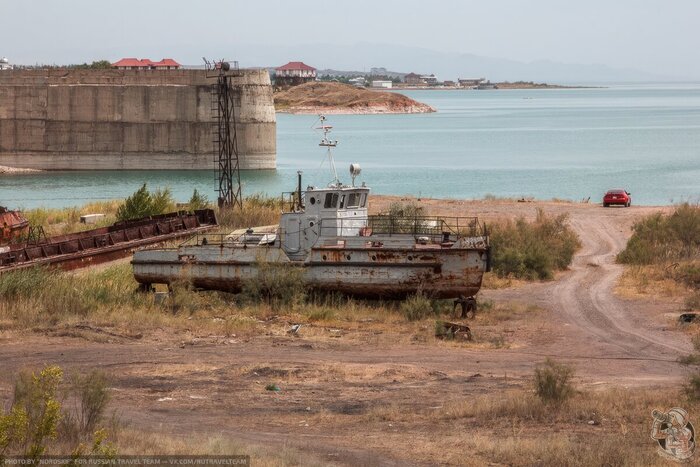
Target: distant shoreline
x,y
498,86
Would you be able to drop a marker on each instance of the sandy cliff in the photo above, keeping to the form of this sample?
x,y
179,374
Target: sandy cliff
x,y
338,98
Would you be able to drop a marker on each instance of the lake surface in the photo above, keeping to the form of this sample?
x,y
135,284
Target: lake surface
x,y
569,143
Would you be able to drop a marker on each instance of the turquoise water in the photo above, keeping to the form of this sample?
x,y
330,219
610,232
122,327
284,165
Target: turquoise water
x,y
568,144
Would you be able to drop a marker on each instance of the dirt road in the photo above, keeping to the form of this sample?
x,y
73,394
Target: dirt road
x,y
210,385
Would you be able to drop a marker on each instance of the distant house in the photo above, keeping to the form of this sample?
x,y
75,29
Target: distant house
x,y
358,81
448,83
413,79
470,83
5,64
294,73
146,64
484,84
382,84
430,80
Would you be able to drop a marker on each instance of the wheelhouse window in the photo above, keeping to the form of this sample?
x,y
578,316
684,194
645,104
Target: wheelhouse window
x,y
342,201
364,200
353,200
331,200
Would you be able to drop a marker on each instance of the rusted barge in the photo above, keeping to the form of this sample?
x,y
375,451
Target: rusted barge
x,y
105,244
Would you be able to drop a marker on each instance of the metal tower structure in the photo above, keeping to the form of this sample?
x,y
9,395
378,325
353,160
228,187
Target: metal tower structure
x,y
224,100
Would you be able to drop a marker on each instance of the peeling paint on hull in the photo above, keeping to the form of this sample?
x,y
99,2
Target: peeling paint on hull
x,y
390,273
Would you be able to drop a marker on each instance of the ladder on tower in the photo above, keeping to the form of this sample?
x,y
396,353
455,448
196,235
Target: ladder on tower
x,y
225,98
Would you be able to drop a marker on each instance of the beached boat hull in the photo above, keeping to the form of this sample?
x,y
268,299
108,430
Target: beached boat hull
x,y
366,272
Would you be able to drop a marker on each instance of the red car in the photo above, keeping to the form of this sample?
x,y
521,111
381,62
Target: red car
x,y
620,197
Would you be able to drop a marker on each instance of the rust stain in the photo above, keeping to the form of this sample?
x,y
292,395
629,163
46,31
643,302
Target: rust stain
x,y
13,225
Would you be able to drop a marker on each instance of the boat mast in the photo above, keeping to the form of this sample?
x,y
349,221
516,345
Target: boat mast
x,y
325,142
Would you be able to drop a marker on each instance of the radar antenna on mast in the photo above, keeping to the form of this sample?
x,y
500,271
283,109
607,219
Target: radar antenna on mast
x,y
325,142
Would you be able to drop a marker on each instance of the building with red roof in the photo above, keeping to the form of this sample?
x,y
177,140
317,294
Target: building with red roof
x,y
146,64
294,73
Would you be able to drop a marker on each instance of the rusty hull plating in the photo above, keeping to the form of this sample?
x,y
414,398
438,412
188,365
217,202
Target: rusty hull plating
x,y
374,256
13,225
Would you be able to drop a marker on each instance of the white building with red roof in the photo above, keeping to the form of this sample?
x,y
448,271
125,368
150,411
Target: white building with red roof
x,y
294,73
146,64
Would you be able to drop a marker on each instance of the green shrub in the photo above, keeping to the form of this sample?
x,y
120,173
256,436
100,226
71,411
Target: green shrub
x,y
161,201
198,201
92,398
35,396
405,209
553,381
532,250
660,238
37,415
142,203
275,284
417,307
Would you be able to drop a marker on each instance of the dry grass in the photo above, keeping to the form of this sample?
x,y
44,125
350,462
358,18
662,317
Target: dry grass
x,y
92,302
131,441
493,281
609,427
257,210
651,280
67,220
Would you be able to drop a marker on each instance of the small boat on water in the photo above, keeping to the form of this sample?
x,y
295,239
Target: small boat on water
x,y
328,233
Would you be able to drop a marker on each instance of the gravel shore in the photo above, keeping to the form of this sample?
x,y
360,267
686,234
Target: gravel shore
x,y
4,170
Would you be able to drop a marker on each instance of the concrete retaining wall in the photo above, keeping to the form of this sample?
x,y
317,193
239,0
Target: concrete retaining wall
x,y
128,119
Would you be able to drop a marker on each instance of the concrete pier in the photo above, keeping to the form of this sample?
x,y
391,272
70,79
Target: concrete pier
x,y
61,119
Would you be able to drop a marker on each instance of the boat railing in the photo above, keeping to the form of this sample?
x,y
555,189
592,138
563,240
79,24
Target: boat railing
x,y
418,226
247,238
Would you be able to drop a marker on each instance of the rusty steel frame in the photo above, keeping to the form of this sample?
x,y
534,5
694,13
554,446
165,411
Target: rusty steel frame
x,y
105,244
225,137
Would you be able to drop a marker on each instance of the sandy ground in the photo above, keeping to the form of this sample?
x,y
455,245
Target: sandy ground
x,y
209,384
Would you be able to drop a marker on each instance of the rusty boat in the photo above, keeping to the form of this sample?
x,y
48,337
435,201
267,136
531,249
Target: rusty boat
x,y
328,233
13,224
103,244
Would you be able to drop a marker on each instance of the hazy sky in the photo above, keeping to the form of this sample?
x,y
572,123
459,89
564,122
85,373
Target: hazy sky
x,y
651,35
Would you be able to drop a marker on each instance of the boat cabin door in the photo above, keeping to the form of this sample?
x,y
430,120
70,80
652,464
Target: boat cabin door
x,y
291,241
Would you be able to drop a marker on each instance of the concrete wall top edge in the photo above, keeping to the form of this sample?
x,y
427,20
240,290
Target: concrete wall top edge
x,y
127,77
